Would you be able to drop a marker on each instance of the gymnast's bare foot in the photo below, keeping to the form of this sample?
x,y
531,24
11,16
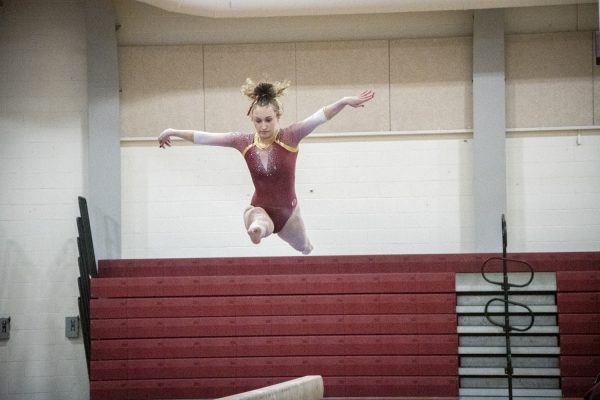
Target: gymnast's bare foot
x,y
256,233
308,249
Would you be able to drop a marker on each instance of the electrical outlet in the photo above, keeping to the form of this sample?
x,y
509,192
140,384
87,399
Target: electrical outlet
x,y
72,327
4,328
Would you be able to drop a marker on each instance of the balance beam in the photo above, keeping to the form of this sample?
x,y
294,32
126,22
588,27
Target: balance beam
x,y
305,388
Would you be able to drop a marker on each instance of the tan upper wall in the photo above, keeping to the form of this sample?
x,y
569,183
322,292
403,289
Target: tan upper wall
x,y
421,84
419,64
550,80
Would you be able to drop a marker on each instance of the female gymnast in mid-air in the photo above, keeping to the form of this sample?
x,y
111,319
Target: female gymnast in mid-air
x,y
270,154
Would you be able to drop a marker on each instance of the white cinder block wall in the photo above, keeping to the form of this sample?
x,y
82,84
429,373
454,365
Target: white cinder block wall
x,y
42,129
554,192
376,197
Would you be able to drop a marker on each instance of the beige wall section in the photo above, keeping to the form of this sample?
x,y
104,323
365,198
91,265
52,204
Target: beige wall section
x,y
327,71
596,72
161,87
431,84
562,18
549,80
226,70
421,84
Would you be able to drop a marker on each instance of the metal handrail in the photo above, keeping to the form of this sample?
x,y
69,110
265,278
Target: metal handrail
x,y
514,303
86,235
505,284
87,270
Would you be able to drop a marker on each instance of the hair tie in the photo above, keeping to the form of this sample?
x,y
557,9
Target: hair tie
x,y
251,106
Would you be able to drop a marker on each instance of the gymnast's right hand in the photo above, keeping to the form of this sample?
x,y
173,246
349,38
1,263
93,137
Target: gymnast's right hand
x,y
164,139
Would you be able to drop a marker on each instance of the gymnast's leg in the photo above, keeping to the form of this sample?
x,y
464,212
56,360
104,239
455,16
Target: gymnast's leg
x,y
258,223
294,232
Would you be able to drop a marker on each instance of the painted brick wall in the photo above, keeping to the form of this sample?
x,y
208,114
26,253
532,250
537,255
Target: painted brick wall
x,y
553,187
364,197
42,118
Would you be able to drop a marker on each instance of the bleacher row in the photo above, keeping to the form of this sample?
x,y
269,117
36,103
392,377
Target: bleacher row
x,y
372,326
578,300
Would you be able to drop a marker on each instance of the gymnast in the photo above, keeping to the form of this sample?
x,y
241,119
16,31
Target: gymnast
x,y
270,154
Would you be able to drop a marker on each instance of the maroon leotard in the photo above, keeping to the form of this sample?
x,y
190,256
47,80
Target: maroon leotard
x,y
273,170
274,177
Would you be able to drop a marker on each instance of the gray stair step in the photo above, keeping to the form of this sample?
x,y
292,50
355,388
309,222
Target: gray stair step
x,y
490,361
480,309
474,282
514,350
516,341
501,382
503,393
514,397
497,329
531,299
515,320
479,371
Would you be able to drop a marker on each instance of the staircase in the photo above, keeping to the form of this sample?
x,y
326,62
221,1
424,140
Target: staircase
x,y
482,345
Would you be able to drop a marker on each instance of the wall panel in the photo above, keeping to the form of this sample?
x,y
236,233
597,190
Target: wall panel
x,y
226,70
549,80
327,71
161,87
596,77
431,84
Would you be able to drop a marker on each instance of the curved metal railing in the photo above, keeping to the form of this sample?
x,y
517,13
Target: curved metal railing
x,y
506,285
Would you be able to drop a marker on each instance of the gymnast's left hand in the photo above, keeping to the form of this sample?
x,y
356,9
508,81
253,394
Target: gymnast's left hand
x,y
361,99
164,139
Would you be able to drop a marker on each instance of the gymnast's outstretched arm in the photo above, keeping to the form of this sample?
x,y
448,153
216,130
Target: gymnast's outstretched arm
x,y
353,101
197,137
306,126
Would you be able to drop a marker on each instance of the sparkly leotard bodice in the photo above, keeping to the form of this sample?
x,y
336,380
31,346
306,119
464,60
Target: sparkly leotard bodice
x,y
273,172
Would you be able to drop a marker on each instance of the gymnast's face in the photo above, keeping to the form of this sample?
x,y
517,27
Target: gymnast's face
x,y
265,121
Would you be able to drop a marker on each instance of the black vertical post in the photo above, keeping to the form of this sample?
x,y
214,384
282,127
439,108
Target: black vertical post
x,y
505,288
87,270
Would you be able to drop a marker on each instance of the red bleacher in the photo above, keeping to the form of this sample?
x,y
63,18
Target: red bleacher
x,y
372,326
578,298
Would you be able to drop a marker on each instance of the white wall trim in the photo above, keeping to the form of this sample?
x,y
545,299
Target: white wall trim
x,y
461,133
